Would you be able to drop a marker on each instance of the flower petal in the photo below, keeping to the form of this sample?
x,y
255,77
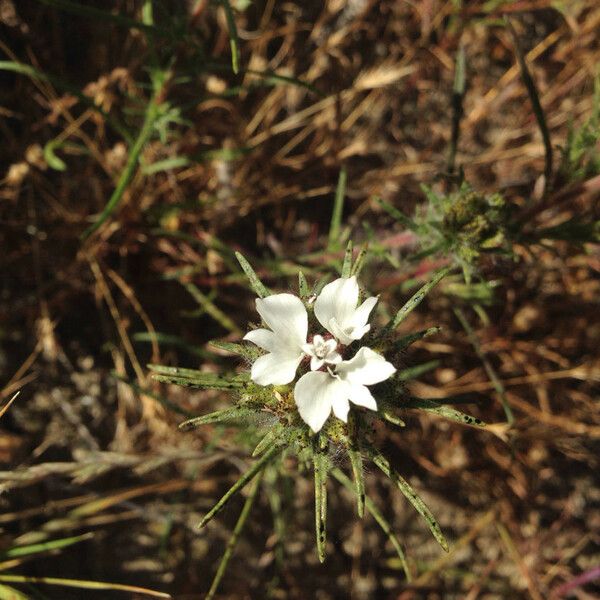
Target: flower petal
x,y
337,300
361,314
275,369
365,368
315,394
286,316
360,395
338,332
341,407
263,338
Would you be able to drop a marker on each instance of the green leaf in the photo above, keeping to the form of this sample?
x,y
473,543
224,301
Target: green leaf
x,y
210,308
440,409
321,469
233,36
82,584
399,216
416,371
10,593
258,466
128,172
347,266
243,350
54,162
406,340
232,542
168,164
96,14
45,547
359,479
255,283
338,207
197,379
379,518
416,299
303,288
383,463
219,416
268,440
360,260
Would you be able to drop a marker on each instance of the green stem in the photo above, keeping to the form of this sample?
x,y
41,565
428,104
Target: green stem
x,y
256,468
231,544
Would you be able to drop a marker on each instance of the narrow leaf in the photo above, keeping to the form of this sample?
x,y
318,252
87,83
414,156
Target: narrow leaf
x,y
237,349
416,299
228,414
45,546
416,371
10,593
255,283
321,465
383,463
399,216
390,417
210,308
338,207
233,36
359,479
82,584
379,518
303,285
360,260
232,542
258,466
443,411
347,266
406,340
268,440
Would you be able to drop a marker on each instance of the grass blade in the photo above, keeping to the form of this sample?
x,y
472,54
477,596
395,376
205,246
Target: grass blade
x,y
45,546
233,36
458,94
210,308
256,468
338,207
536,104
83,584
255,283
129,170
232,542
384,464
96,14
379,518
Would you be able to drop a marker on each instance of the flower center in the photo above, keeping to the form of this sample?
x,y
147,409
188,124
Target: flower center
x,y
322,351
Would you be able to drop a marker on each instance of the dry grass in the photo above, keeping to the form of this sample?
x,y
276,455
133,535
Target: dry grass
x,y
83,451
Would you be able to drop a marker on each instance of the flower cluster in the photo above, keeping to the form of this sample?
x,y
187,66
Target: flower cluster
x,y
330,379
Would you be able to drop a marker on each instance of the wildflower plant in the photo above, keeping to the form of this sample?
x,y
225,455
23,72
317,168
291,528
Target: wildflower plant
x,y
322,372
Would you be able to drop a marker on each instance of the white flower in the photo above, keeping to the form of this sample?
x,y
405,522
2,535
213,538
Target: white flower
x,y
336,310
286,316
319,392
321,352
